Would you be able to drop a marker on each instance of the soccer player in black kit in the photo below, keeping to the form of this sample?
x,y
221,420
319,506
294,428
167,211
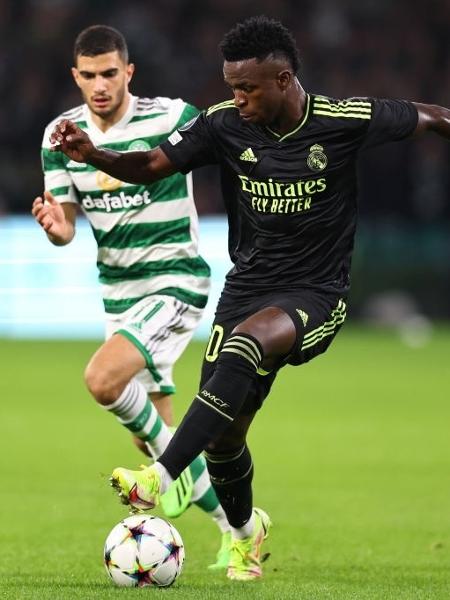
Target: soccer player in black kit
x,y
287,161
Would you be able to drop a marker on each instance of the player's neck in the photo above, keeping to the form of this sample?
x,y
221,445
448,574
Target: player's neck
x,y
107,121
293,110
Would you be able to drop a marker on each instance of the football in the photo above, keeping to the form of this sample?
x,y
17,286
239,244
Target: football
x,y
143,550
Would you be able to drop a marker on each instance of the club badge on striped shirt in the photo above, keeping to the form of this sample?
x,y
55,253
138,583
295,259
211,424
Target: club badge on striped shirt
x,y
139,146
107,183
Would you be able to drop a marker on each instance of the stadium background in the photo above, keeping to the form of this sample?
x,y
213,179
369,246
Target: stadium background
x,y
387,49
358,438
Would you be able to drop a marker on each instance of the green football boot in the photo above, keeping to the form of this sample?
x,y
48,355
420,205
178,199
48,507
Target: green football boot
x,y
245,554
178,496
223,554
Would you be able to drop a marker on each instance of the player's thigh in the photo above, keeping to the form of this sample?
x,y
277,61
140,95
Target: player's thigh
x,y
275,331
261,385
271,326
115,362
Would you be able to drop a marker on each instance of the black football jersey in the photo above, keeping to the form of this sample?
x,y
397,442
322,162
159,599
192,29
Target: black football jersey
x,y
290,199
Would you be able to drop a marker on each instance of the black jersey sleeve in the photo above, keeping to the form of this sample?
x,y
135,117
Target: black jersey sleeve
x,y
191,145
391,120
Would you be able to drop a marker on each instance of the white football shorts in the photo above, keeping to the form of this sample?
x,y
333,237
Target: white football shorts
x,y
160,327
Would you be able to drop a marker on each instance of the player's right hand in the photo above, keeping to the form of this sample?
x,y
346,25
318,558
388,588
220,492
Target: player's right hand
x,y
73,141
50,216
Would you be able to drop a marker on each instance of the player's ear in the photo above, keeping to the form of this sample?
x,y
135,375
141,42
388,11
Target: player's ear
x,y
284,78
130,71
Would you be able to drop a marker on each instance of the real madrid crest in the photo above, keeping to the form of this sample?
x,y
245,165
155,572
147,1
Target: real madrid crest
x,y
317,159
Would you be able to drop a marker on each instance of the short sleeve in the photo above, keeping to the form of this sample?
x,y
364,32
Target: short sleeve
x,y
391,121
57,179
191,145
189,113
180,112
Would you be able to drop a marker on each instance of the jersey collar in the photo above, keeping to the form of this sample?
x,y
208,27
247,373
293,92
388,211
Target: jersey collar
x,y
281,138
117,126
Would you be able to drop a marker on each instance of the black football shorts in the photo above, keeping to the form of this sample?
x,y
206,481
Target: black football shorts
x,y
317,317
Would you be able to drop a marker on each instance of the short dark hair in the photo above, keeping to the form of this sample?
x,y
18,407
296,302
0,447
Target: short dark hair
x,y
258,37
100,39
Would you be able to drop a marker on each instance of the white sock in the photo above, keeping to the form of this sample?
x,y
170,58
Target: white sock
x,y
201,484
204,496
239,533
166,478
219,517
134,411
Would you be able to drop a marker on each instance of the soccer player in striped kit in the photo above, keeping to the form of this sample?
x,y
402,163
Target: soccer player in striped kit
x,y
154,283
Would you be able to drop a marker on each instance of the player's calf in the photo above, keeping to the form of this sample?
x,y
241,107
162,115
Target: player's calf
x,y
231,475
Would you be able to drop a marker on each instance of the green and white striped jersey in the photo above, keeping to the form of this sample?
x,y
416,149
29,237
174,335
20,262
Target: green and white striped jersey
x,y
147,235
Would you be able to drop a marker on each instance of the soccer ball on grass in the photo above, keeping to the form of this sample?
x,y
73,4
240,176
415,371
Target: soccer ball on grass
x,y
143,550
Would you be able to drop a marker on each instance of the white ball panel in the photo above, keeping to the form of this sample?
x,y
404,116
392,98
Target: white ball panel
x,y
135,521
166,573
123,556
151,551
158,527
122,579
116,536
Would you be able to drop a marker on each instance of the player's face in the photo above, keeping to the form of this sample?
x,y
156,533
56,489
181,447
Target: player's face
x,y
103,81
259,88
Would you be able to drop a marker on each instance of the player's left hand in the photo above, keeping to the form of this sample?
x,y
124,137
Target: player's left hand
x,y
50,216
73,141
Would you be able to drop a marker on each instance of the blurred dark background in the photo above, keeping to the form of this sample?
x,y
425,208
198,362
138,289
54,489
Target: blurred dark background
x,y
384,48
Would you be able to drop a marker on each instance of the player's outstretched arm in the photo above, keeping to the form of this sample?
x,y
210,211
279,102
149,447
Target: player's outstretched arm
x,y
133,167
433,118
58,221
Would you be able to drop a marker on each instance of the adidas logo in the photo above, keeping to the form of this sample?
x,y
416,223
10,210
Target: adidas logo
x,y
303,316
248,155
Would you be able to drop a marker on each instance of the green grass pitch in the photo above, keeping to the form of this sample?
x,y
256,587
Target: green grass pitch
x,y
352,456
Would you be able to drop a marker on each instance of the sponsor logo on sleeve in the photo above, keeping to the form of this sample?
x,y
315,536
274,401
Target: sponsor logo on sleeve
x,y
174,138
188,124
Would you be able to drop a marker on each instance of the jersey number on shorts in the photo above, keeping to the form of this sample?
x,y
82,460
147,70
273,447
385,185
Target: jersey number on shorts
x,y
215,340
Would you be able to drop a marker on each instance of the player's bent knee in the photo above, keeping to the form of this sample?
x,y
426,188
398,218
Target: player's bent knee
x,y
234,436
104,390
